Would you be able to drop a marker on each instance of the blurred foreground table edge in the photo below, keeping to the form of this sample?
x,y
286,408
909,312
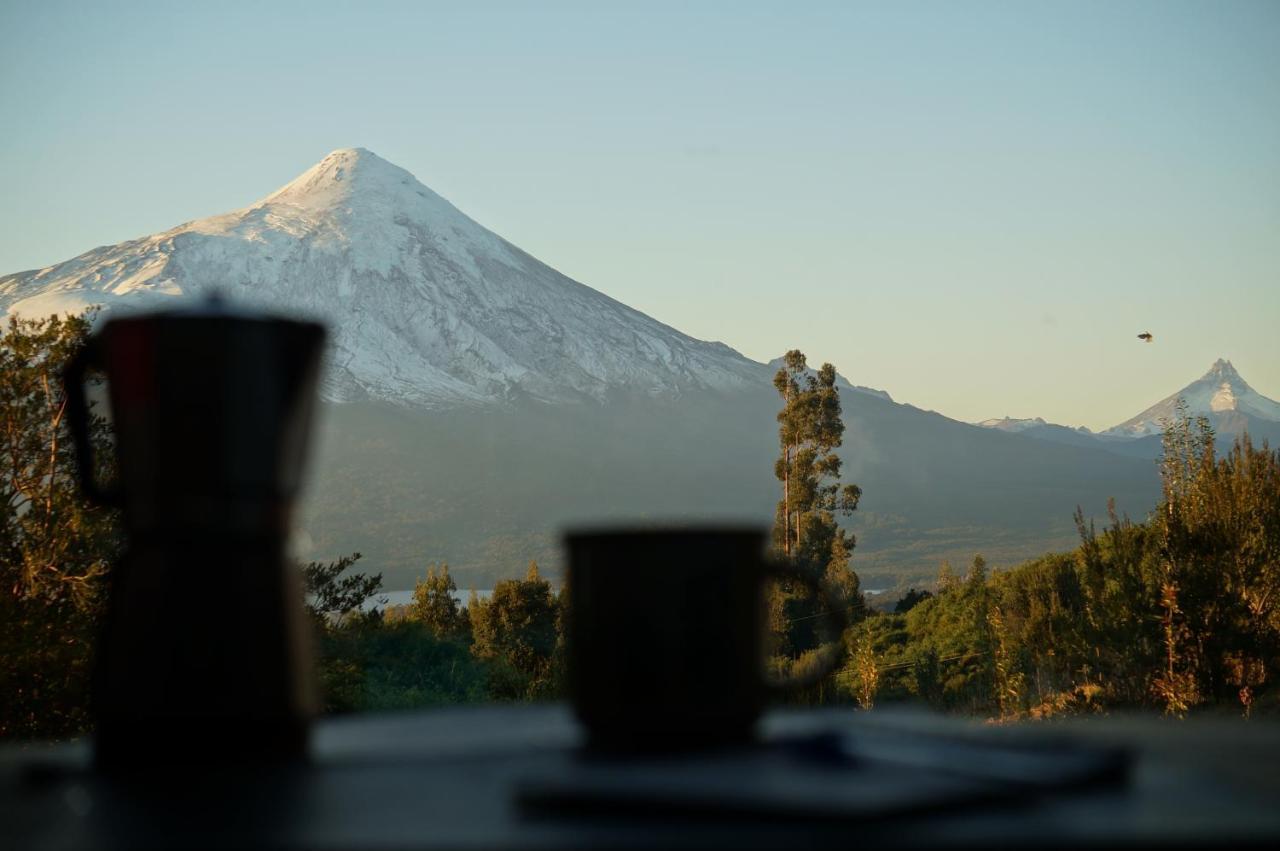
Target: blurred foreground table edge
x,y
514,775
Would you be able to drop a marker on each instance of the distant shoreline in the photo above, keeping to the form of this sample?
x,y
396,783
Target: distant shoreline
x,y
385,599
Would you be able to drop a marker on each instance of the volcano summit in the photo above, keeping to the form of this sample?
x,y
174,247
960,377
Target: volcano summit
x,y
429,308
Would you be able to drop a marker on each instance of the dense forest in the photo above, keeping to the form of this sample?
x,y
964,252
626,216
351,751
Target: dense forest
x,y
1177,613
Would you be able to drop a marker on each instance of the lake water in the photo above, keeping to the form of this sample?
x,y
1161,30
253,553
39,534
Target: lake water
x,y
403,598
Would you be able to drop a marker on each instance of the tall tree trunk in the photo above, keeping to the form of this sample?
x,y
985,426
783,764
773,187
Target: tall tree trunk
x,y
786,499
797,523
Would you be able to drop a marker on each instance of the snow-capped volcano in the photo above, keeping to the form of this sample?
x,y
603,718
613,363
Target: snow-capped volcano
x,y
428,307
1012,425
1220,391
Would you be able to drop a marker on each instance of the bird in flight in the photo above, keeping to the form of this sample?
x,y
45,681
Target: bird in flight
x,y
1146,337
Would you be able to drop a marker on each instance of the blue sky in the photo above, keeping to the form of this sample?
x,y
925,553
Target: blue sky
x,y
975,206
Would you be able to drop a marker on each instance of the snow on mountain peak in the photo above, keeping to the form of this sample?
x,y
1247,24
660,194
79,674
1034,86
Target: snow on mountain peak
x,y
1224,370
1218,391
350,175
1012,425
428,307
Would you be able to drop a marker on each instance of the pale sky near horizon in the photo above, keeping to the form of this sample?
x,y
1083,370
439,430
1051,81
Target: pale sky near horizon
x,y
975,206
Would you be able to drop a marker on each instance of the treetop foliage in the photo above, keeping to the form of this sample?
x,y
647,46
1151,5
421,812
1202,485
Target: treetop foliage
x,y
1180,612
806,531
435,604
56,548
519,627
330,594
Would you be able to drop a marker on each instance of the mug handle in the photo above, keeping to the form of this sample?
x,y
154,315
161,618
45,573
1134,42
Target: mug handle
x,y
837,616
73,377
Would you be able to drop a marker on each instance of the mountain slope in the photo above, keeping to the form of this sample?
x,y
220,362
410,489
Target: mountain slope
x,y
429,307
465,377
1221,393
488,489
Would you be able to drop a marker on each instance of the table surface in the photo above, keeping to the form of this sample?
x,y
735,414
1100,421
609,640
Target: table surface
x,y
480,776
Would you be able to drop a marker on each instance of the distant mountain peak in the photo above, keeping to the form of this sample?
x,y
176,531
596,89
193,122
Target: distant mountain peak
x,y
1011,424
1221,390
777,363
1221,367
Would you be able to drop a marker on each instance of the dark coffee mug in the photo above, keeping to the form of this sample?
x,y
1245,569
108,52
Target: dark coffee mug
x,y
666,635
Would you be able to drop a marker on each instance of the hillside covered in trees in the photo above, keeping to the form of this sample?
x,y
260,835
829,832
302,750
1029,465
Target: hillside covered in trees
x,y
1180,612
1177,613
